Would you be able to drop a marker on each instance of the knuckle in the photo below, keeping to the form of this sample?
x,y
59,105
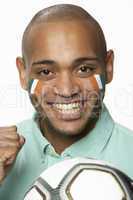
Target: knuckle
x,y
8,128
9,136
9,149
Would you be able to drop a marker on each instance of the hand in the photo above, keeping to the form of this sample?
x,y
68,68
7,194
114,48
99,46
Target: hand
x,y
10,144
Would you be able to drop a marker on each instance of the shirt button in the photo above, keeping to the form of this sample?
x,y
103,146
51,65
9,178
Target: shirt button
x,y
43,161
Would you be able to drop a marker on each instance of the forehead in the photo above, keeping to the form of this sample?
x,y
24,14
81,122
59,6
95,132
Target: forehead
x,y
56,39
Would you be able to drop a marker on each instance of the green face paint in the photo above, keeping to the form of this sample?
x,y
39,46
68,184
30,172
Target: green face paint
x,y
35,87
98,81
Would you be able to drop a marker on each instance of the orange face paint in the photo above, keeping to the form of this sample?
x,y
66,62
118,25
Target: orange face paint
x,y
96,82
36,87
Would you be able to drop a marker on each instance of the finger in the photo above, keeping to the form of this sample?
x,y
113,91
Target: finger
x,y
9,136
2,171
10,160
9,144
8,132
8,128
7,152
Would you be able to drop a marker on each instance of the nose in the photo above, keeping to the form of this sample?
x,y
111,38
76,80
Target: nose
x,y
66,86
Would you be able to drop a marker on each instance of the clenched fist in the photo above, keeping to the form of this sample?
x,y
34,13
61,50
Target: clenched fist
x,y
10,144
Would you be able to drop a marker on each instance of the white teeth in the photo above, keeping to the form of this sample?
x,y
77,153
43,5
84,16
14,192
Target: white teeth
x,y
71,111
68,107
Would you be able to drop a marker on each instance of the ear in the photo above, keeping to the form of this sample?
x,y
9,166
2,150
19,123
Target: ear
x,y
22,72
109,66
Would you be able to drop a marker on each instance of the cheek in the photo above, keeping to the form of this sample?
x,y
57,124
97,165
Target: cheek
x,y
40,92
37,88
37,91
40,89
94,83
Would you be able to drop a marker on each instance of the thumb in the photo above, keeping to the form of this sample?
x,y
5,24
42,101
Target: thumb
x,y
2,171
21,141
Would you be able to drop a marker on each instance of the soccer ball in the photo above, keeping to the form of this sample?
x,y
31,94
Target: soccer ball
x,y
81,179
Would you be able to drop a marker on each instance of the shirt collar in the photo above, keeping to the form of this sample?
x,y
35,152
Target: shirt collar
x,y
96,140
41,141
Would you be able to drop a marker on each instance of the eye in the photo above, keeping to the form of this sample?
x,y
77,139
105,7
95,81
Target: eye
x,y
45,72
86,70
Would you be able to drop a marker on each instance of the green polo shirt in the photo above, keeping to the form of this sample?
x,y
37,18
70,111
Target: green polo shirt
x,y
107,141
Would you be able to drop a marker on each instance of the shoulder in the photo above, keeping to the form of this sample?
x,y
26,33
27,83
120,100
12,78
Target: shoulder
x,y
30,130
28,127
25,126
122,137
122,131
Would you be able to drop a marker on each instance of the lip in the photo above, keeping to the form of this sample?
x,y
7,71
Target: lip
x,y
81,102
65,102
69,115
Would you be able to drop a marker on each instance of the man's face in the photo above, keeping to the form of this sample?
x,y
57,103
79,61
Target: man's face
x,y
64,57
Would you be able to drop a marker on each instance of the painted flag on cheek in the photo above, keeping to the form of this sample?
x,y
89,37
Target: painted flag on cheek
x,y
36,86
97,82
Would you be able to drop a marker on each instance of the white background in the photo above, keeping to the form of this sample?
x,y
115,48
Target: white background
x,y
115,18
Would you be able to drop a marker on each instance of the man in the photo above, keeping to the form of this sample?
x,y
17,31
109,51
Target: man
x,y
64,68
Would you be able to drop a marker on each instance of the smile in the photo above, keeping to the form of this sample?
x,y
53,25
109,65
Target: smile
x,y
67,108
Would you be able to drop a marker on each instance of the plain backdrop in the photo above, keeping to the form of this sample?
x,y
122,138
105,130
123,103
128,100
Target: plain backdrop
x,y
115,17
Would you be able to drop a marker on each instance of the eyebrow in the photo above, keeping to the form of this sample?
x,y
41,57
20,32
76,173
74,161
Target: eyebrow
x,y
83,59
43,62
76,61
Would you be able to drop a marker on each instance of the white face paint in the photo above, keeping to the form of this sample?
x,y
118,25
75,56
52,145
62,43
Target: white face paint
x,y
36,84
36,87
98,80
33,86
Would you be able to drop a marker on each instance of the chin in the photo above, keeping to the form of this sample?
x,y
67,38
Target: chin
x,y
74,128
69,132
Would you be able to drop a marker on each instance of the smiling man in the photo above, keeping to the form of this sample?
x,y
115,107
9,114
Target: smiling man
x,y
64,67
63,54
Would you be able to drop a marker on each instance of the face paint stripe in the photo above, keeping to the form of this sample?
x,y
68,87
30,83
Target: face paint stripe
x,y
94,83
99,82
36,86
30,84
103,81
33,86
